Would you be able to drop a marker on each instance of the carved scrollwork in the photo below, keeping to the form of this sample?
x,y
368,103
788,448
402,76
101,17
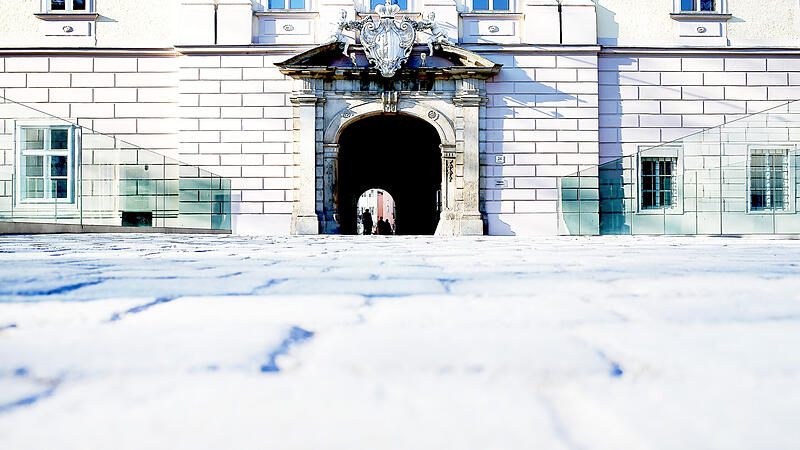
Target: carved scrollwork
x,y
449,169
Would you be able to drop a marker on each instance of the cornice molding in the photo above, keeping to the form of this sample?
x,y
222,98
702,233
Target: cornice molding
x,y
771,51
88,51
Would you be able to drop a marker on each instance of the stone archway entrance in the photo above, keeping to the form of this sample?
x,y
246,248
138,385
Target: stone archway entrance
x,y
332,92
408,166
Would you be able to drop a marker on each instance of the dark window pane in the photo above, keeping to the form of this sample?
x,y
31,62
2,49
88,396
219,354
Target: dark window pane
x,y
58,139
276,4
688,5
707,5
480,4
666,168
648,183
57,5
34,166
79,5
58,166
58,188
500,4
666,199
758,200
648,167
297,4
666,183
648,200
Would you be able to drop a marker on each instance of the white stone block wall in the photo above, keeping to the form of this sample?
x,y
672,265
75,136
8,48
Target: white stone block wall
x,y
236,121
122,99
133,98
541,124
648,99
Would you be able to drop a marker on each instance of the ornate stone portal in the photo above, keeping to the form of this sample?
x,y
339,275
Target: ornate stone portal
x,y
387,75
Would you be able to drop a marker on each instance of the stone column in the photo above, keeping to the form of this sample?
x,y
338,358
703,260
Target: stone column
x,y
469,100
304,216
448,216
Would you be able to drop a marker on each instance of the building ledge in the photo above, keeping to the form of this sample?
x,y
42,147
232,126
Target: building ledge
x,y
700,16
67,16
491,14
286,13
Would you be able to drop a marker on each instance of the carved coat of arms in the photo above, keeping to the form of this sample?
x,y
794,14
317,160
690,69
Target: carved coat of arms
x,y
388,41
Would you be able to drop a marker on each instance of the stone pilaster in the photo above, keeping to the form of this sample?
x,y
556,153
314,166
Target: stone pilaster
x,y
304,216
469,101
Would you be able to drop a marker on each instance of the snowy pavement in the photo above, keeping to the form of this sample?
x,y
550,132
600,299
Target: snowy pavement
x,y
226,342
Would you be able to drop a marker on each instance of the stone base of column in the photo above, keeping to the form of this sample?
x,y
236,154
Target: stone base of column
x,y
305,225
471,226
460,226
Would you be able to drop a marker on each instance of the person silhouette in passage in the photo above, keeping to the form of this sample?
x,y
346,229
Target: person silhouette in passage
x,y
385,227
379,226
366,219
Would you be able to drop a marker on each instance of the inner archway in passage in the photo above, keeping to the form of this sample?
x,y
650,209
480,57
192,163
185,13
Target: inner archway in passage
x,y
377,213
393,153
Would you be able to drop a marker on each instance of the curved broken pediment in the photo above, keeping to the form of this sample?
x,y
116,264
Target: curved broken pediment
x,y
328,61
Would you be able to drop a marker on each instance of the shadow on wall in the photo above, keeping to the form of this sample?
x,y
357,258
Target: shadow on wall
x,y
610,172
607,25
506,113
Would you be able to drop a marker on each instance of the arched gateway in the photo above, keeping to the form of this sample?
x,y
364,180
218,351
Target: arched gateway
x,y
346,110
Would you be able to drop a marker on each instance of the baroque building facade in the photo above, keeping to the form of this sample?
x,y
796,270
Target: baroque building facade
x,y
475,129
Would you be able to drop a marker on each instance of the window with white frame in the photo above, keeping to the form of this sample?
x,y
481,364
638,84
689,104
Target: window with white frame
x,y
287,4
46,164
768,180
70,6
403,4
490,5
658,182
702,6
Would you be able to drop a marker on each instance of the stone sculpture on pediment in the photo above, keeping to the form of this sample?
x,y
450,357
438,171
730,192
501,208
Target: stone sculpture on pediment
x,y
388,41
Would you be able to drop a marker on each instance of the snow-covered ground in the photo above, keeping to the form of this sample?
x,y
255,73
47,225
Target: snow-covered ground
x,y
219,342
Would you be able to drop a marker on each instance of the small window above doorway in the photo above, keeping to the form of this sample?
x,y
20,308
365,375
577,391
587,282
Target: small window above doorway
x,y
69,6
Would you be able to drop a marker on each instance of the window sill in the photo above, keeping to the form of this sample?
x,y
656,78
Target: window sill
x,y
67,16
700,16
286,12
482,13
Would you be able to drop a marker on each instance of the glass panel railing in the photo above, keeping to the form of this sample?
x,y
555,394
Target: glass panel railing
x,y
739,178
60,171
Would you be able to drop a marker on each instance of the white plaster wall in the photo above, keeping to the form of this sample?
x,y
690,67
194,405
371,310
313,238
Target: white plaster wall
x,y
140,23
637,22
648,22
776,22
649,99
